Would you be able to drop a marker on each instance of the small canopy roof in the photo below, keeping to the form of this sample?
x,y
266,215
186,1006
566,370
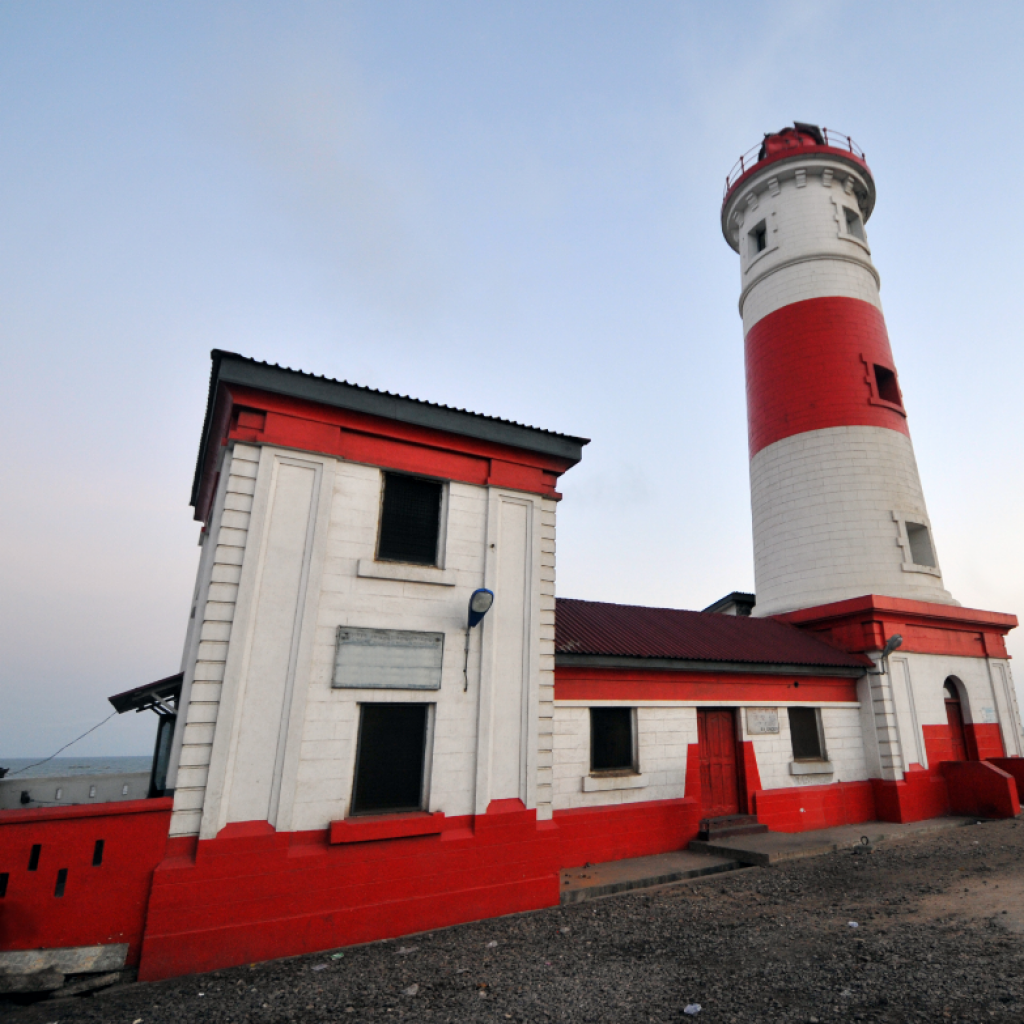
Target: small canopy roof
x,y
161,696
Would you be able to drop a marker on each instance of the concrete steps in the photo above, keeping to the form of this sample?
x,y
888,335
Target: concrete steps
x,y
729,826
594,880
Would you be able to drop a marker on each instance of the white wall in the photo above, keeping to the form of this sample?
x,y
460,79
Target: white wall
x,y
987,695
664,733
267,737
822,504
64,790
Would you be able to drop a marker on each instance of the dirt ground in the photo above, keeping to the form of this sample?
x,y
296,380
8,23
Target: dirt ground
x,y
939,937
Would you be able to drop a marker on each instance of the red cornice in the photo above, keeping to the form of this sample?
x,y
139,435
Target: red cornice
x,y
248,414
865,623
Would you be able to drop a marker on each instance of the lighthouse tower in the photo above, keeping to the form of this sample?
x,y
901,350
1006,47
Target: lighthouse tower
x,y
838,509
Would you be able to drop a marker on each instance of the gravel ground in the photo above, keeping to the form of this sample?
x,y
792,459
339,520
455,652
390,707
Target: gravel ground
x,y
939,937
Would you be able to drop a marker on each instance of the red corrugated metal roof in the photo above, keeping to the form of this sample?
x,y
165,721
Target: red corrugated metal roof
x,y
630,631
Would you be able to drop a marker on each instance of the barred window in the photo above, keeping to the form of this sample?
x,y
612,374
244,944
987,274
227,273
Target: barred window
x,y
410,521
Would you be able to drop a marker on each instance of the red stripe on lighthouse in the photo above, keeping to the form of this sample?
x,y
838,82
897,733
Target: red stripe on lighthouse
x,y
811,365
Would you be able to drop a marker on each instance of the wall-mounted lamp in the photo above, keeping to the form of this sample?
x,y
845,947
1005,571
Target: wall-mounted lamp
x,y
480,602
890,645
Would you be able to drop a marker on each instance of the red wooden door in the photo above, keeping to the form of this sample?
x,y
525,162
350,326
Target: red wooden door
x,y
955,717
716,735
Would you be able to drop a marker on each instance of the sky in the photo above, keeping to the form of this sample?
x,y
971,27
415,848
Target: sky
x,y
506,207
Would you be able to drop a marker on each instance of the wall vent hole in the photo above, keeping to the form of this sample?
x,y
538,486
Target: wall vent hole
x,y
33,857
97,853
62,881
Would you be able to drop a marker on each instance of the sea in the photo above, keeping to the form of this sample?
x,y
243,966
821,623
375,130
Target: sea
x,y
74,766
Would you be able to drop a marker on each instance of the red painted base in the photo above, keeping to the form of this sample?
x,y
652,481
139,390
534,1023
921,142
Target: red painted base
x,y
803,808
255,894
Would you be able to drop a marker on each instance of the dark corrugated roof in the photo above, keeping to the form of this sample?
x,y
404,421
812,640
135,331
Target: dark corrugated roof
x,y
390,394
630,631
143,697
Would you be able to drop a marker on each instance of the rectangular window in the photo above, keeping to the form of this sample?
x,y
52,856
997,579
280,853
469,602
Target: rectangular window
x,y
390,758
62,881
611,740
758,239
97,853
805,733
410,520
886,386
920,545
854,226
33,857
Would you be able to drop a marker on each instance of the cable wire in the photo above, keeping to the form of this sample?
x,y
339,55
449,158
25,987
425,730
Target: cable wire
x,y
65,747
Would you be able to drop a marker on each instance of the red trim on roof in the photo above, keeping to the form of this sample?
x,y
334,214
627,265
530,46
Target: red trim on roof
x,y
865,623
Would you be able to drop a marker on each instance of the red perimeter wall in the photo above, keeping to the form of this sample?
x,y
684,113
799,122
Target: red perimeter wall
x,y
101,904
254,894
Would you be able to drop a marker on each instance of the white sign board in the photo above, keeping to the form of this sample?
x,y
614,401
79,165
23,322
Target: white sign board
x,y
762,721
989,715
387,659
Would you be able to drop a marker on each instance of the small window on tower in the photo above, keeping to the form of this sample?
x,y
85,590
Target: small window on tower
x,y
886,386
410,520
920,545
854,226
805,734
758,239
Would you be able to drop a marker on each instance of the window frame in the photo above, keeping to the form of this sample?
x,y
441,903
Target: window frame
x,y
426,765
442,520
902,519
822,756
633,768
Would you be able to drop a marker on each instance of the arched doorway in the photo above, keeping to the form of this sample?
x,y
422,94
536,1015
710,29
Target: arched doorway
x,y
955,718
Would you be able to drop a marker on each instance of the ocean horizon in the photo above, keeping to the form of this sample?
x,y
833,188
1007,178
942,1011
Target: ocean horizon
x,y
74,766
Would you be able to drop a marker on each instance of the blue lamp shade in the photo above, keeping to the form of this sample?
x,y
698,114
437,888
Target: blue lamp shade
x,y
479,605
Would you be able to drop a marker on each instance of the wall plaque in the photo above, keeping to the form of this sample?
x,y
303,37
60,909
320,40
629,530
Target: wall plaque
x,y
761,721
988,714
387,659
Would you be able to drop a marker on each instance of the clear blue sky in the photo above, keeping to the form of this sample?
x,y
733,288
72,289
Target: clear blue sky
x,y
509,207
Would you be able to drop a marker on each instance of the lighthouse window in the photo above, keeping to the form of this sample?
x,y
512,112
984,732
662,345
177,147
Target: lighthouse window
x,y
758,239
920,545
611,740
885,384
853,224
805,734
390,758
410,521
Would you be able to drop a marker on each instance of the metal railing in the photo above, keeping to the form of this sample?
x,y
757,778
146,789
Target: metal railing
x,y
833,139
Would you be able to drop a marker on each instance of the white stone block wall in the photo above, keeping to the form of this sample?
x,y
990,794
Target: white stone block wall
x,y
918,684
664,734
844,748
294,544
810,254
210,634
822,505
327,759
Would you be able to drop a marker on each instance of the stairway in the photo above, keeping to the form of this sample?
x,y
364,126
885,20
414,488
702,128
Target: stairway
x,y
712,829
